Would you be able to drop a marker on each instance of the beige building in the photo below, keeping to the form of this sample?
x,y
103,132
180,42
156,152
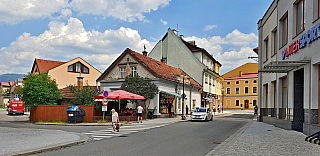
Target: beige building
x,y
67,73
5,88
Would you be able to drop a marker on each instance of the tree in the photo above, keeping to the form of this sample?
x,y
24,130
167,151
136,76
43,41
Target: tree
x,y
85,95
141,86
6,92
39,90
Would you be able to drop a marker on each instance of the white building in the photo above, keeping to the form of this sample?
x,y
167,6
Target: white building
x,y
161,74
289,61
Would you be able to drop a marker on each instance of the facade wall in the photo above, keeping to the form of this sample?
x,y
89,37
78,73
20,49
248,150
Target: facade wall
x,y
65,78
287,105
229,100
245,69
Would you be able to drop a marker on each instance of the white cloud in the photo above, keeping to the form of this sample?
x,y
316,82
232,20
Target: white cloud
x,y
163,22
15,11
63,42
239,44
209,27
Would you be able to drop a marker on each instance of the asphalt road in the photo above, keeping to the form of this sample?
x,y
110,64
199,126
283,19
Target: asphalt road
x,y
186,138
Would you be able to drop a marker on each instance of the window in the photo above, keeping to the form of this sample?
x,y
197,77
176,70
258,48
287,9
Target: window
x,y
246,90
300,16
206,78
254,102
209,80
133,71
123,72
246,82
254,89
228,90
237,90
237,102
266,42
284,24
318,8
237,82
78,67
254,81
274,42
228,83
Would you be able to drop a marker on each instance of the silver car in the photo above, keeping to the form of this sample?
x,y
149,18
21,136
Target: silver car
x,y
202,114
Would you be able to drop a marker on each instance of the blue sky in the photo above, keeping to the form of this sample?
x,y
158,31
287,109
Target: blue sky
x,y
99,30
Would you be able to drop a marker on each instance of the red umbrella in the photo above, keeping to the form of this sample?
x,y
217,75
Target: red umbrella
x,y
121,95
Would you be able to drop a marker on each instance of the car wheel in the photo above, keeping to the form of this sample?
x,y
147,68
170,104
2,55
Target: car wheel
x,y
211,118
206,119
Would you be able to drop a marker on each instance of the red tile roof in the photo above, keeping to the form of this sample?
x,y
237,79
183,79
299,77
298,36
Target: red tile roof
x,y
159,69
46,65
244,76
256,50
7,84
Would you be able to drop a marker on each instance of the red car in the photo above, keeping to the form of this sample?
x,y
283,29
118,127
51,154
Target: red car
x,y
16,107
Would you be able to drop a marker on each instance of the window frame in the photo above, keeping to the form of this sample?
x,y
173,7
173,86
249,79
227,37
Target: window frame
x,y
266,43
133,70
76,69
254,90
237,89
237,104
237,82
122,72
228,82
254,81
284,23
228,91
274,42
246,82
246,91
254,102
302,16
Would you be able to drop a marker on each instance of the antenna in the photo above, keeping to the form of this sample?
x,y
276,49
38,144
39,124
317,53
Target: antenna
x,y
177,28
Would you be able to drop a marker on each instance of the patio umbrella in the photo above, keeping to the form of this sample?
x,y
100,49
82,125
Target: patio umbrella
x,y
121,95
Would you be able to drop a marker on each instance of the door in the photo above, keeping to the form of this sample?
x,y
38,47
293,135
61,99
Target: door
x,y
246,104
298,112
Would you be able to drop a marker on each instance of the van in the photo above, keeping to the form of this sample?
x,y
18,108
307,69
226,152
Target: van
x,y
16,107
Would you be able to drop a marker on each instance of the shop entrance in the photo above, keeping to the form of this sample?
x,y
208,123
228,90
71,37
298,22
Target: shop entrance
x,y
298,112
246,104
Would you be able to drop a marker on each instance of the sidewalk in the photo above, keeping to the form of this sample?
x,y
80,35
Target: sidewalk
x,y
258,138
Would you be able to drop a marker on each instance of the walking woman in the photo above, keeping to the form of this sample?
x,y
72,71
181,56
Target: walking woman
x,y
115,120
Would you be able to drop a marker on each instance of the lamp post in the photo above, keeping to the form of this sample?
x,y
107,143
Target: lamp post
x,y
183,95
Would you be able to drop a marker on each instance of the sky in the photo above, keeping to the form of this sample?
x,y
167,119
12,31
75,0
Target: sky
x,y
98,31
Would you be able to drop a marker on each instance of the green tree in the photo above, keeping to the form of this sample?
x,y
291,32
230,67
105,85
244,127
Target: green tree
x,y
141,86
6,92
39,90
85,95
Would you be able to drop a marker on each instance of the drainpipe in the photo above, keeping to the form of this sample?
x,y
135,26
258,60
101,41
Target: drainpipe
x,y
309,111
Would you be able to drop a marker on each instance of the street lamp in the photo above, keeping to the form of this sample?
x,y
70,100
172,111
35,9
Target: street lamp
x,y
183,78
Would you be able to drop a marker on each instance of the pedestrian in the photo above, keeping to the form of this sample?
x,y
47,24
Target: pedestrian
x,y
115,120
218,108
214,109
222,108
187,110
169,110
255,110
140,110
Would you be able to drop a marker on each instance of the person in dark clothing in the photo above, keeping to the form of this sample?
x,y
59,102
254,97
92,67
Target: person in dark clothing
x,y
169,110
187,110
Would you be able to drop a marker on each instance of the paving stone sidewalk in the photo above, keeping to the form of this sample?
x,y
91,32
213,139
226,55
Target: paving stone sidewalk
x,y
258,138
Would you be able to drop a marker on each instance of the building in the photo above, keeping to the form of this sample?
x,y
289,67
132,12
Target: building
x,y
67,73
289,65
166,77
241,87
193,60
5,88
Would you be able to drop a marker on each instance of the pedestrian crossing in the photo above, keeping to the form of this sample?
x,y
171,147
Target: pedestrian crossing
x,y
124,130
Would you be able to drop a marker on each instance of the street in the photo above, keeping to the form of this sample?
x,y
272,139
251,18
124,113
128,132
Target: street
x,y
183,138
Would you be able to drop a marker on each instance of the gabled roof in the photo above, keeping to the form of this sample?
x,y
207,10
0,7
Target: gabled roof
x,y
157,68
256,50
244,76
45,65
7,84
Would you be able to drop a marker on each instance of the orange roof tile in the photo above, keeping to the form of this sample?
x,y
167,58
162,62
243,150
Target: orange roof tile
x,y
46,65
159,69
7,84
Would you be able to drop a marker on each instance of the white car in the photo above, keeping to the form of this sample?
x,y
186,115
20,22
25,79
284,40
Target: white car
x,y
202,114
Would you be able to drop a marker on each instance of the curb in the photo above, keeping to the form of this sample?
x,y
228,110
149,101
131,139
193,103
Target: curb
x,y
83,139
217,150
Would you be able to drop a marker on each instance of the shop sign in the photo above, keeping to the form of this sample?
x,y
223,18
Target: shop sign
x,y
307,38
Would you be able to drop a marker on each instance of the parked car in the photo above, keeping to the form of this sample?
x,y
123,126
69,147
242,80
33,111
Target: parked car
x,y
202,114
16,107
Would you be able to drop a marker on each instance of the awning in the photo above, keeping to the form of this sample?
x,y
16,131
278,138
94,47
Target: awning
x,y
171,93
282,66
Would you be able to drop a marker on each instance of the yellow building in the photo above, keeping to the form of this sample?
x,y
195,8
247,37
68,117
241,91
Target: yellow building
x,y
219,81
241,87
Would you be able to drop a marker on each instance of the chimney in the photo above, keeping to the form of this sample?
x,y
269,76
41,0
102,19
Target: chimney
x,y
175,31
240,73
163,60
144,53
182,37
79,82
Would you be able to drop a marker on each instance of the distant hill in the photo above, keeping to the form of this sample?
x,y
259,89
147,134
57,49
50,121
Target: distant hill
x,y
11,77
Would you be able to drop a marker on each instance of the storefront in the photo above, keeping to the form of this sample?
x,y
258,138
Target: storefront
x,y
169,100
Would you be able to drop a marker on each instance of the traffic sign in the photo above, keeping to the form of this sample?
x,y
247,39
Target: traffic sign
x,y
105,101
105,94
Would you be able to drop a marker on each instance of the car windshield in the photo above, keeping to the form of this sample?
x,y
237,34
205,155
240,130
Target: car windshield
x,y
200,110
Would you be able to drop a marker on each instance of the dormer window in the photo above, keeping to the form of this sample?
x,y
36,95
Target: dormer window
x,y
78,67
